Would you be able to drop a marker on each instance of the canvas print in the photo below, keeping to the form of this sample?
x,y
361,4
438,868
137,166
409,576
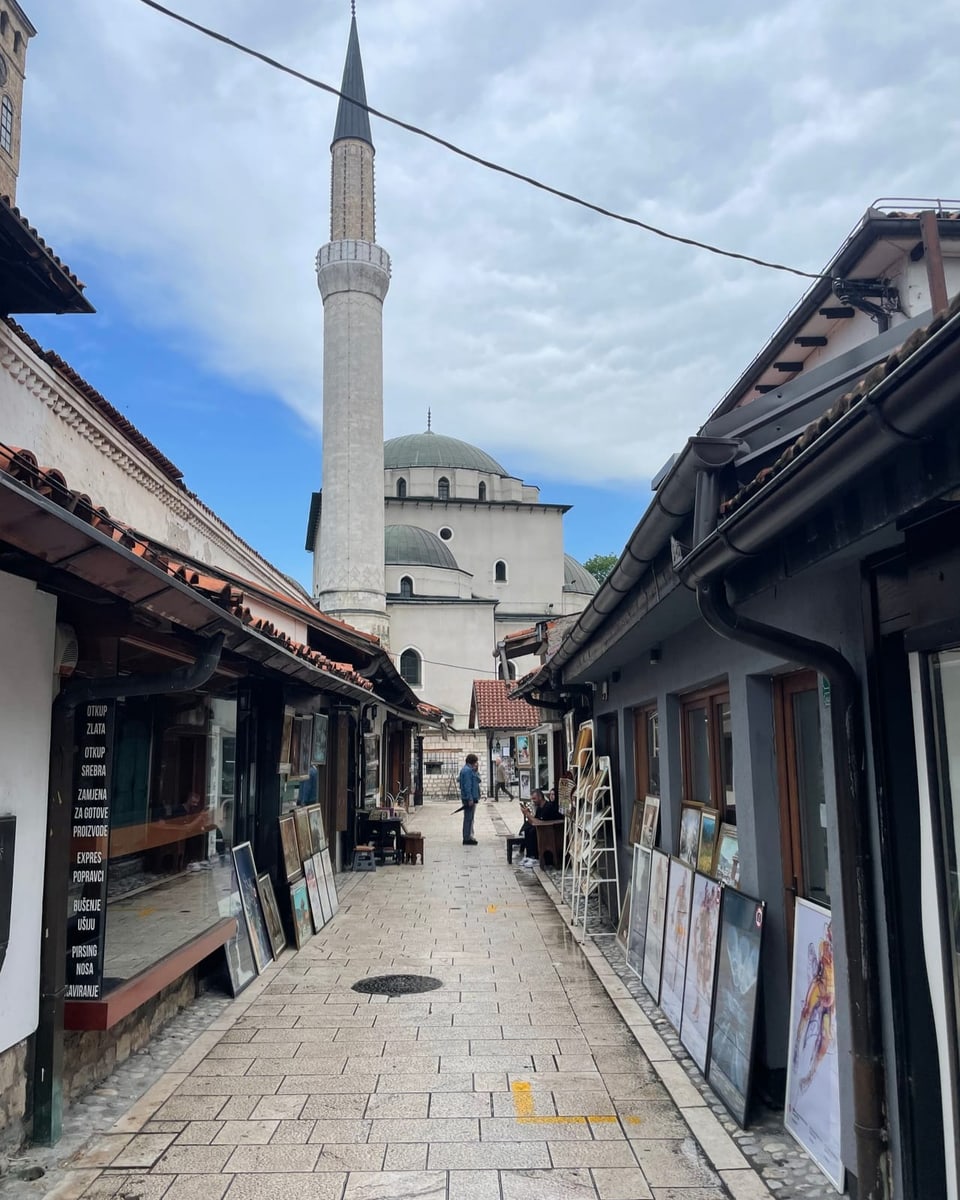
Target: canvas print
x,y
636,822
523,750
812,1109
304,836
291,850
689,834
325,908
250,899
321,723
271,914
709,825
286,743
371,760
331,883
728,856
639,893
735,1005
701,968
313,893
651,815
318,836
623,925
300,903
241,967
676,937
584,743
656,923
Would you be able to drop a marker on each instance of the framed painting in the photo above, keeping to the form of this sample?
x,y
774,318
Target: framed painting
x,y
651,816
701,968
271,913
286,742
318,836
727,859
241,967
331,882
292,864
811,1111
304,836
639,893
322,887
313,893
523,750
636,822
623,925
371,764
732,1029
250,899
321,723
707,847
656,923
584,744
568,735
300,904
676,936
689,833
305,744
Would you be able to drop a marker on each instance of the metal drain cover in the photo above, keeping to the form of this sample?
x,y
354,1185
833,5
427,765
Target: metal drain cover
x,y
397,985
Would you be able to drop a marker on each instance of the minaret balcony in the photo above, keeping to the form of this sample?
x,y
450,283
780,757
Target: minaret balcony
x,y
352,265
353,250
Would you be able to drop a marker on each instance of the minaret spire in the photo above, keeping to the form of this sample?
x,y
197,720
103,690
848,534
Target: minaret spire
x,y
353,120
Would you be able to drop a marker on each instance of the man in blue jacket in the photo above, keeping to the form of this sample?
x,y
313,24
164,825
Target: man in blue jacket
x,y
469,781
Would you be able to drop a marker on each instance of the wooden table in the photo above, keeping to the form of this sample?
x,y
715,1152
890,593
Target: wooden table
x,y
549,839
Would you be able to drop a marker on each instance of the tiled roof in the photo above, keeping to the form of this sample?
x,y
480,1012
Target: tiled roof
x,y
12,208
493,708
22,466
842,406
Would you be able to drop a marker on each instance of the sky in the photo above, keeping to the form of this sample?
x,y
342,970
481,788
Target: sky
x,y
188,186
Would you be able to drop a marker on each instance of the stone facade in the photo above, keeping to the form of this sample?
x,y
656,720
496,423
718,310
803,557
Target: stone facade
x,y
352,210
15,29
442,761
13,1092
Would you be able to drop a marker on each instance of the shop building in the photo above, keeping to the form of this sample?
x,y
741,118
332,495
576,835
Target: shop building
x,y
777,644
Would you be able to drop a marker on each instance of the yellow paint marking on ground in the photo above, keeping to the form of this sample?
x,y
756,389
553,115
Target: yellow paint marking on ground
x,y
491,908
522,1099
146,912
524,1110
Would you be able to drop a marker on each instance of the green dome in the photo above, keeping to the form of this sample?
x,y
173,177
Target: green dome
x,y
576,577
435,450
409,545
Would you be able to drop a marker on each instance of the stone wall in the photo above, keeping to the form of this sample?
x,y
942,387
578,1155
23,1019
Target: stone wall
x,y
89,1057
13,1092
450,755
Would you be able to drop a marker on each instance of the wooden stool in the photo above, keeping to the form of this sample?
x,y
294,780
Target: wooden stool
x,y
514,843
363,858
412,847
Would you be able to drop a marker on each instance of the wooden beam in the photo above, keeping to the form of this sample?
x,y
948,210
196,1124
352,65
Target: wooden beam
x,y
810,340
839,312
933,257
788,367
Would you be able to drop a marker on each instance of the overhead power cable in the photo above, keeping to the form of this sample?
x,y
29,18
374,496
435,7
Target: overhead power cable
x,y
476,158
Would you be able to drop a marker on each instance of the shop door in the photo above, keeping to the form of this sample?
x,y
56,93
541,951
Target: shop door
x,y
803,821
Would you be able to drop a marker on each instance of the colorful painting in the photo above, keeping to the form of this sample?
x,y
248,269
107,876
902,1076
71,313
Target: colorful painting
x,y
709,823
728,856
304,836
651,816
656,923
639,894
675,940
689,833
313,893
291,850
584,744
523,750
300,903
812,1109
318,836
701,968
271,913
735,1006
250,899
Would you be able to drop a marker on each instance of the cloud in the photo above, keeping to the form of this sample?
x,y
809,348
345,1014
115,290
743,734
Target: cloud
x,y
542,332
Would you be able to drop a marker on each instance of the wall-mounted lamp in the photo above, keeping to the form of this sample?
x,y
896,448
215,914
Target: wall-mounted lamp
x,y
654,655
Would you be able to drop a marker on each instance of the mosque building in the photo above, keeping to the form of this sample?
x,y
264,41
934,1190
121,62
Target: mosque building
x,y
425,540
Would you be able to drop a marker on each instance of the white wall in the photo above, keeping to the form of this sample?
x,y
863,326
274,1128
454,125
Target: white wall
x,y
26,694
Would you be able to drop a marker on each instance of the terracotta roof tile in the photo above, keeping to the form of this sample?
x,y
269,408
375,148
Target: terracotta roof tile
x,y
493,707
6,202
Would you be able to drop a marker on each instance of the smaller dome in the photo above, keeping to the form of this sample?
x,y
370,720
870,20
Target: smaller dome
x,y
436,450
411,546
576,577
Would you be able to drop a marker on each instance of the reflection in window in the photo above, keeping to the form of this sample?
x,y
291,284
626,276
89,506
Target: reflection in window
x,y
401,489
500,571
406,586
698,741
443,488
411,668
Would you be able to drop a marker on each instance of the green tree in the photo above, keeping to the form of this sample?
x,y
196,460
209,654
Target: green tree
x,y
600,565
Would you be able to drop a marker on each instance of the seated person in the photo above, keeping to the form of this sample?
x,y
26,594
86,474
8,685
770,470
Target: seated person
x,y
543,810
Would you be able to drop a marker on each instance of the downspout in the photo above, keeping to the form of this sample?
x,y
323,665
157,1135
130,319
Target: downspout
x,y
48,1054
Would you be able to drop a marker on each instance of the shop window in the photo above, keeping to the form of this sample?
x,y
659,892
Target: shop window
x,y
646,750
482,491
411,668
443,488
406,587
401,489
6,124
500,571
707,744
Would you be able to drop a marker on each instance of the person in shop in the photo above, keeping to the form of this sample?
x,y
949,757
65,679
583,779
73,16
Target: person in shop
x,y
544,810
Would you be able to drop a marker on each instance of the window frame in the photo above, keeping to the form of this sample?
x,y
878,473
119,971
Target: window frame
x,y
401,488
6,124
411,650
482,491
711,698
641,749
498,575
406,592
443,488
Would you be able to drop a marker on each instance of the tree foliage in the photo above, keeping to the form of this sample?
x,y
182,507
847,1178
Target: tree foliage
x,y
600,565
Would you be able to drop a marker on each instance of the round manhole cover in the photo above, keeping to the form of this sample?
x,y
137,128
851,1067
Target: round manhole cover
x,y
397,985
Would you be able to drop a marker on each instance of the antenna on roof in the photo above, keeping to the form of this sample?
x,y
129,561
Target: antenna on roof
x,y
429,420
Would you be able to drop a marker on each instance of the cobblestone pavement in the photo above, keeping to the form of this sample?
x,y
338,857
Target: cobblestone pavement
x,y
529,1074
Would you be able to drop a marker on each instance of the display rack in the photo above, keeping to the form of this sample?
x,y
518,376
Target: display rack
x,y
596,870
581,763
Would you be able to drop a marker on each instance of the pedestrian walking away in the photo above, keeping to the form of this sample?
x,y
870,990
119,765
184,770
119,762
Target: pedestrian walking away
x,y
469,781
503,780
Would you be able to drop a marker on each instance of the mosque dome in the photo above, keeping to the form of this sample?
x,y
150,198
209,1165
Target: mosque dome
x,y
411,546
431,449
576,577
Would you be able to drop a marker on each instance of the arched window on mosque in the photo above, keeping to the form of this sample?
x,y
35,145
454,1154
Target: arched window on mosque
x,y
500,571
482,491
401,489
406,586
443,488
411,670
